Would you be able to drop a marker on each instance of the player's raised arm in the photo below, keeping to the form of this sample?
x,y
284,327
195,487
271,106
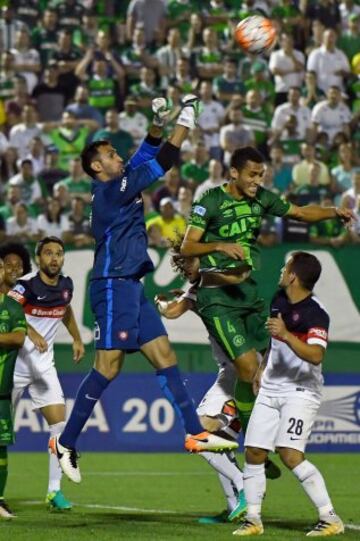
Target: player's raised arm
x,y
316,213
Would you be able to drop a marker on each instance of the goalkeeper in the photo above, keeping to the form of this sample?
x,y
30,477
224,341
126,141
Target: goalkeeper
x,y
125,320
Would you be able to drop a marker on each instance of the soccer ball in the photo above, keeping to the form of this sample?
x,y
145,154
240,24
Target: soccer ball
x,y
255,34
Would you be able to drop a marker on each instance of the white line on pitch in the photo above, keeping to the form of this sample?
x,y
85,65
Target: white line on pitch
x,y
355,527
148,474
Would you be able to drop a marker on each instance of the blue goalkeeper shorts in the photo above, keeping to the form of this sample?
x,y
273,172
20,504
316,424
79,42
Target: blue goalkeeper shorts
x,y
124,318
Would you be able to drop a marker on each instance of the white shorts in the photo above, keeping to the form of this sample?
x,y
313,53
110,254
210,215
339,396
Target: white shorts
x,y
45,390
219,393
280,422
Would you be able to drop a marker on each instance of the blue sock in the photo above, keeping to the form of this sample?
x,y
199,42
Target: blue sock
x,y
174,389
87,396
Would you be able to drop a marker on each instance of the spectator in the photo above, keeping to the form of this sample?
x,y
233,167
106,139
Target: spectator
x,y
61,194
44,36
12,198
67,58
350,198
257,119
21,134
132,120
311,94
69,14
81,108
179,13
329,63
234,135
301,171
51,174
348,9
85,36
69,136
196,170
332,116
169,188
328,232
79,224
146,90
325,11
292,120
209,57
312,191
21,227
183,205
211,119
259,81
19,99
137,55
168,55
7,76
287,66
215,179
121,140
36,155
316,39
228,84
183,78
171,225
78,183
104,90
349,40
53,222
9,26
26,59
30,186
281,171
27,11
51,95
195,32
151,14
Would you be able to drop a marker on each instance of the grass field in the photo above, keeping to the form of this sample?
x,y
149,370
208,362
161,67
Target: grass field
x,y
159,497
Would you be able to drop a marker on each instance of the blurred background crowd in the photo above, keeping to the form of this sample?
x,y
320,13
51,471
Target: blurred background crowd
x,y
75,71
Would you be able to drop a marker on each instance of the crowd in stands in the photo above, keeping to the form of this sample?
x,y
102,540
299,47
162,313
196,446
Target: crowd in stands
x,y
75,71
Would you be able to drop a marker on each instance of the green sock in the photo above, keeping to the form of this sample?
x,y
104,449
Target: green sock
x,y
3,470
244,399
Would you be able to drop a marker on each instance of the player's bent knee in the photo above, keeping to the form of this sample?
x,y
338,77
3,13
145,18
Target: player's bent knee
x,y
290,457
109,363
246,366
254,455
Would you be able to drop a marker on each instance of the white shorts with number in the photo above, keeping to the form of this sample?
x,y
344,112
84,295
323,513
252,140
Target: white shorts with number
x,y
44,389
281,422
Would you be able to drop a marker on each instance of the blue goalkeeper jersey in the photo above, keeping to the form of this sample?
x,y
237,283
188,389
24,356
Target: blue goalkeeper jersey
x,y
117,218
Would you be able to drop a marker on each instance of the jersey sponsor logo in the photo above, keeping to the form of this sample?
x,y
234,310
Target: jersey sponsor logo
x,y
123,335
123,184
57,312
256,209
318,332
4,314
238,340
198,209
19,288
225,204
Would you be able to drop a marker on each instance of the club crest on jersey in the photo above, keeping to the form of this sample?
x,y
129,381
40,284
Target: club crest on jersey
x,y
19,288
66,294
198,209
123,184
123,335
255,207
238,340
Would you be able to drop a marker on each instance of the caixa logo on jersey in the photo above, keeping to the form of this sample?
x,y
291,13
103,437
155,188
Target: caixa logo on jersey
x,y
337,425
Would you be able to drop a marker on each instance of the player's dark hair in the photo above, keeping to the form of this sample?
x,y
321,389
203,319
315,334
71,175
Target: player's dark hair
x,y
90,154
242,155
47,240
307,268
18,249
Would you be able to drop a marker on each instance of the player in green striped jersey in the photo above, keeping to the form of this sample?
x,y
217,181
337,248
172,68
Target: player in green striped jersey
x,y
223,228
12,336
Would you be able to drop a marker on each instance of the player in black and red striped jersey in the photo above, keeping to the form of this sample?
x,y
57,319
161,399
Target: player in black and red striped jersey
x,y
46,298
290,382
